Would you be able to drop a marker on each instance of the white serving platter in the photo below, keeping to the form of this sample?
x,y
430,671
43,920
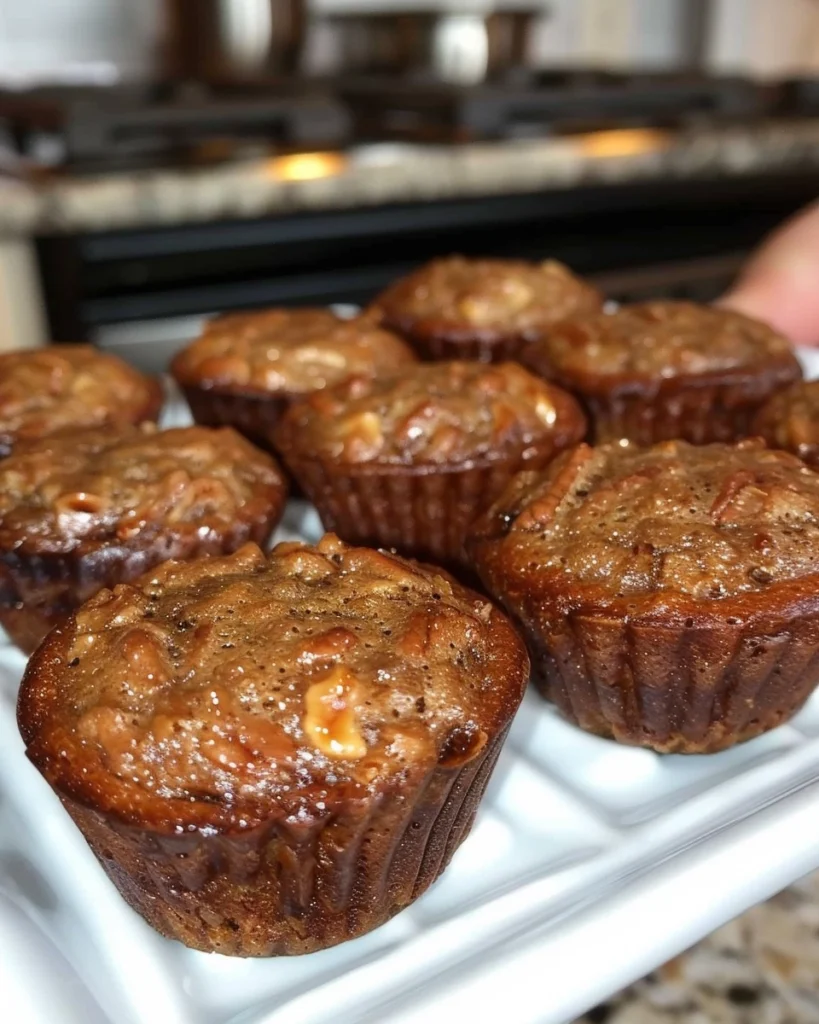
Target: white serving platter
x,y
589,865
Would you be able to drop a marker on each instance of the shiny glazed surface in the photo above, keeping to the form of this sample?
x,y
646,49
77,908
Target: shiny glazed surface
x,y
658,340
435,414
287,351
79,490
708,523
790,420
46,390
221,692
508,296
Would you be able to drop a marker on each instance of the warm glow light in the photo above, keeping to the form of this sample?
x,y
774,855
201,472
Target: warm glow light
x,y
623,142
305,166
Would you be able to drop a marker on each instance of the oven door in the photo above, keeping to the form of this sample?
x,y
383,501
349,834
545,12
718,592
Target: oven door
x,y
146,292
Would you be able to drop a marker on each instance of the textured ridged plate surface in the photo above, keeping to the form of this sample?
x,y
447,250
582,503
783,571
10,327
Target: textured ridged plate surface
x,y
589,865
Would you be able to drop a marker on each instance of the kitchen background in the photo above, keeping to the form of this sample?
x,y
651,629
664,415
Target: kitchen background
x,y
164,159
43,38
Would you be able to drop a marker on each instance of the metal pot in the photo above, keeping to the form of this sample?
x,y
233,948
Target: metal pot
x,y
460,47
233,40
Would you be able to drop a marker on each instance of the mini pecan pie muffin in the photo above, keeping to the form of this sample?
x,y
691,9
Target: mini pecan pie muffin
x,y
491,310
410,462
790,420
247,367
86,509
43,391
670,594
664,370
270,755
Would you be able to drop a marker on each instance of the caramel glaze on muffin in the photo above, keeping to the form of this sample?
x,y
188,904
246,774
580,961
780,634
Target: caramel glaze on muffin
x,y
790,420
46,390
457,308
86,509
663,370
246,367
271,755
408,462
671,594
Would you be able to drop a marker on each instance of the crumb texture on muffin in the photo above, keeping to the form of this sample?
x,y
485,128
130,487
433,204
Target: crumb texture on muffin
x,y
659,340
87,488
511,296
665,370
709,522
271,755
436,414
669,596
43,391
790,420
229,690
287,351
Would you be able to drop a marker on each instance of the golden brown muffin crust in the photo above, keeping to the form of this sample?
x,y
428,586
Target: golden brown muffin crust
x,y
670,596
43,391
657,341
709,523
287,351
790,420
79,490
508,296
219,693
433,414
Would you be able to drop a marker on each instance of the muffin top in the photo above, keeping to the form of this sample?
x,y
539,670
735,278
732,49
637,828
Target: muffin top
x,y
455,294
288,351
657,341
622,523
790,420
434,413
82,489
222,692
46,390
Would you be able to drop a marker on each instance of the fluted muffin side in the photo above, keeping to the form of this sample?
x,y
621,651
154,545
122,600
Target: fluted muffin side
x,y
669,594
271,755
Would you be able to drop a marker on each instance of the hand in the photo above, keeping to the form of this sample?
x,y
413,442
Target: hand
x,y
780,283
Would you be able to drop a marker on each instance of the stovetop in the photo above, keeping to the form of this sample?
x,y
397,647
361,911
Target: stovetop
x,y
106,128
98,127
548,102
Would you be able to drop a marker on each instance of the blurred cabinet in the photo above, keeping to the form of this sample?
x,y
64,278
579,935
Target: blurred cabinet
x,y
78,39
22,310
618,33
760,37
768,38
104,39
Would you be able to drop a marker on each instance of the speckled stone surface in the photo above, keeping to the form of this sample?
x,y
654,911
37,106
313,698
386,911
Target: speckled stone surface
x,y
400,173
762,968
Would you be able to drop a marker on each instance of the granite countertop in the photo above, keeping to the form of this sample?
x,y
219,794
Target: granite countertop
x,y
762,968
391,173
